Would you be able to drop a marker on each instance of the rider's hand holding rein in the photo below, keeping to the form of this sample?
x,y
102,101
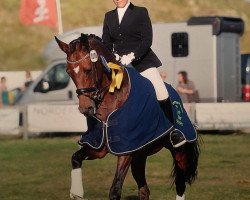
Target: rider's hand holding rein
x,y
127,59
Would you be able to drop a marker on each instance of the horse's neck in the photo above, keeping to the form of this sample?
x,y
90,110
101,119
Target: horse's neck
x,y
113,101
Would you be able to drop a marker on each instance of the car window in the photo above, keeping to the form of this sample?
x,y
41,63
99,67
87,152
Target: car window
x,y
56,79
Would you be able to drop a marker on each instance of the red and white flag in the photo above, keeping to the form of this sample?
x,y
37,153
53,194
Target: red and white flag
x,y
41,12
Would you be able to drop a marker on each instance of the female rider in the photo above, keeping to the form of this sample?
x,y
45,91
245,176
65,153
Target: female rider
x,y
127,32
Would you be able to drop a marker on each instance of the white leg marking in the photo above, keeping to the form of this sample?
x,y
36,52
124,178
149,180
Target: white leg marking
x,y
76,183
180,198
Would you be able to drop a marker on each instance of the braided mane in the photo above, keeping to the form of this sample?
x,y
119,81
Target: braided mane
x,y
93,36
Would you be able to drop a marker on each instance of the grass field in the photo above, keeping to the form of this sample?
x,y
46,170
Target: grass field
x,y
40,169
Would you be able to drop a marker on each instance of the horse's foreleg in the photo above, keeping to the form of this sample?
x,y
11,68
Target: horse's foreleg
x,y
85,153
76,190
138,166
123,164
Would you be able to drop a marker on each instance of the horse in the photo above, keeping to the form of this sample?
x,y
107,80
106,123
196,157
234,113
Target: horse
x,y
89,72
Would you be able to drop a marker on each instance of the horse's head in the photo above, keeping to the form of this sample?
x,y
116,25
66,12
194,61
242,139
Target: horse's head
x,y
81,67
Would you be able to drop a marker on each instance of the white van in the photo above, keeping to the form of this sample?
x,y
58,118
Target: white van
x,y
53,85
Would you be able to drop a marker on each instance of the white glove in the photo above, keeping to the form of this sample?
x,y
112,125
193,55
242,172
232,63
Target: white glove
x,y
127,59
117,57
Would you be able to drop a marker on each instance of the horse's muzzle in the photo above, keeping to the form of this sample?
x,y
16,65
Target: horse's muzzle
x,y
90,111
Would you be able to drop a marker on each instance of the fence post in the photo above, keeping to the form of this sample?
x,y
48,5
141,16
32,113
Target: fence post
x,y
23,122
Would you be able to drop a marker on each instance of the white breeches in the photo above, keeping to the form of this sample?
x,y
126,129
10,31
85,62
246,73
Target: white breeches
x,y
153,75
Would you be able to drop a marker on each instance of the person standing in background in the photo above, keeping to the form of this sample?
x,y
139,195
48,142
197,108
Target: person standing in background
x,y
28,80
185,87
3,92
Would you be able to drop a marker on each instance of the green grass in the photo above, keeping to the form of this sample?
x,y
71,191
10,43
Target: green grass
x,y
40,169
22,46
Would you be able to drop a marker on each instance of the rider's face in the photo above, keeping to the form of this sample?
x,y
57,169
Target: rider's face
x,y
120,3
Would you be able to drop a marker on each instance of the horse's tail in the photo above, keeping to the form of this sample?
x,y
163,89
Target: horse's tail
x,y
186,162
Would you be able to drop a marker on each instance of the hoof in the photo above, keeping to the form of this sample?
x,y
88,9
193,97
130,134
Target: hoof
x,y
75,197
144,193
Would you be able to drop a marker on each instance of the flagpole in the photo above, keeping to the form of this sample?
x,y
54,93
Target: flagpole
x,y
59,17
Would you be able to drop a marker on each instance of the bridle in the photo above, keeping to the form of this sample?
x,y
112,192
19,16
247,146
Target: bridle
x,y
99,92
78,61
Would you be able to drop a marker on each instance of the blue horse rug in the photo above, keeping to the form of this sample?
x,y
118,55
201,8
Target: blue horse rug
x,y
182,122
137,123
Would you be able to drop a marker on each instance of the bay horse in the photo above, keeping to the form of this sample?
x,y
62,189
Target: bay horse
x,y
92,81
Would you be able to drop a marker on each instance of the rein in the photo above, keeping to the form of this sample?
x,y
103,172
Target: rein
x,y
97,97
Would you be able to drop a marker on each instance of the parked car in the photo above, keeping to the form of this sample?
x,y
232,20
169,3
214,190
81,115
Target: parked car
x,y
53,85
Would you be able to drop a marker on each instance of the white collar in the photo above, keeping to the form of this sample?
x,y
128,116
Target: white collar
x,y
124,8
121,11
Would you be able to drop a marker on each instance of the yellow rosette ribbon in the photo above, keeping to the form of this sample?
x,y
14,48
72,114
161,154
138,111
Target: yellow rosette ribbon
x,y
117,76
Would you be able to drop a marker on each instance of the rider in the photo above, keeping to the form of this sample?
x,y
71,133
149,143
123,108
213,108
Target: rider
x,y
127,32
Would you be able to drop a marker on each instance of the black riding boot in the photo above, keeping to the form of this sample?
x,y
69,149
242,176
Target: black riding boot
x,y
176,137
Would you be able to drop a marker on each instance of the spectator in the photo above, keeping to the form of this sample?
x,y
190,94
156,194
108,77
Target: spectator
x,y
186,88
28,80
163,75
3,92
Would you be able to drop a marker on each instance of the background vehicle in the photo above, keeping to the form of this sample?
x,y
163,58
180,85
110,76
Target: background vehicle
x,y
245,73
53,85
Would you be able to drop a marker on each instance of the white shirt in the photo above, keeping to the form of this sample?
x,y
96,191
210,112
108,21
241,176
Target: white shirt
x,y
121,11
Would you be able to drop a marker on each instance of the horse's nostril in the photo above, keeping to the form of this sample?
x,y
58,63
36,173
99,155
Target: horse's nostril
x,y
90,108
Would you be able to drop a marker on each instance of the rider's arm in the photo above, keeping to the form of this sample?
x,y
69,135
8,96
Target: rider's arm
x,y
146,35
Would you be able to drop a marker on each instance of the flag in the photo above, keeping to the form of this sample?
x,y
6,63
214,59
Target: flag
x,y
40,12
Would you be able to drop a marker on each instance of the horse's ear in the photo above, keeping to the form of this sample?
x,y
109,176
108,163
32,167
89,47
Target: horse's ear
x,y
63,46
84,40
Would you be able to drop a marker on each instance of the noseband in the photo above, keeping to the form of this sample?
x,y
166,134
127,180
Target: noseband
x,y
98,93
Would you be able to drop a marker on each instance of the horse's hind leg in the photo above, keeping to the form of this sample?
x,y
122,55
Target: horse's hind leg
x,y
85,153
138,166
123,164
185,166
180,184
